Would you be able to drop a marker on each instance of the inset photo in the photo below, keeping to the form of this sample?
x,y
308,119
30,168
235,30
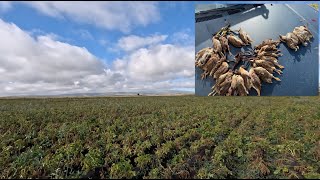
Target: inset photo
x,y
256,50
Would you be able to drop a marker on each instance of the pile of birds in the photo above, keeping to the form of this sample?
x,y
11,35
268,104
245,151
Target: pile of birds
x,y
262,60
300,35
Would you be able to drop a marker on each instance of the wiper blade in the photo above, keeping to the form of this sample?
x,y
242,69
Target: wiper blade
x,y
219,12
233,7
215,10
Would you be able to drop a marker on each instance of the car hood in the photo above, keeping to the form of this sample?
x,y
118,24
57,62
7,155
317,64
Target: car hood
x,y
301,74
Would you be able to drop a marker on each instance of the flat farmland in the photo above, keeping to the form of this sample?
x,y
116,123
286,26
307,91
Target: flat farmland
x,y
160,137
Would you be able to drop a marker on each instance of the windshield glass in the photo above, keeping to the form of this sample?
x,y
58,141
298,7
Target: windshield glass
x,y
206,7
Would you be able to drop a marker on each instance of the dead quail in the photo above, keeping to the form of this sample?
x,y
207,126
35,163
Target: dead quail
x,y
241,89
255,80
307,29
304,29
233,87
302,34
222,78
222,83
217,48
244,37
273,60
221,70
246,77
264,75
269,66
225,85
291,40
209,65
225,45
268,42
236,42
203,56
207,68
217,65
268,48
264,53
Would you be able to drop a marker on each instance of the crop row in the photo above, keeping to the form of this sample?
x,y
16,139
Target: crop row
x,y
160,137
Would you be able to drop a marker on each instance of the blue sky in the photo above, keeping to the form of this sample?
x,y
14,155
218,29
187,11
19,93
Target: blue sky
x,y
130,46
82,47
92,37
89,36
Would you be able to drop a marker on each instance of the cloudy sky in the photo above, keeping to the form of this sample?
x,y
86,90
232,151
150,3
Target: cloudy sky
x,y
83,47
50,48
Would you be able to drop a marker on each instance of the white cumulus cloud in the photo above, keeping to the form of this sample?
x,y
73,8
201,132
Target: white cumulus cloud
x,y
160,62
109,15
133,42
27,61
43,65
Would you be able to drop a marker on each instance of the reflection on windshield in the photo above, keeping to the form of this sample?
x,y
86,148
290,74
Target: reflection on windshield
x,y
205,7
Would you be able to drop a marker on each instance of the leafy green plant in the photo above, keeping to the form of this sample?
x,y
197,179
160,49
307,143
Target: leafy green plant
x,y
160,137
92,160
122,169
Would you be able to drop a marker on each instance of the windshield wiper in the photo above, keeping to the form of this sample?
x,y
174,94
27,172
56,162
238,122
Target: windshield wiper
x,y
219,12
229,8
214,9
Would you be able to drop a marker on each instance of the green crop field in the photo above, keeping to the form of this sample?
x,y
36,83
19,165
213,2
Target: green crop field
x,y
160,137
